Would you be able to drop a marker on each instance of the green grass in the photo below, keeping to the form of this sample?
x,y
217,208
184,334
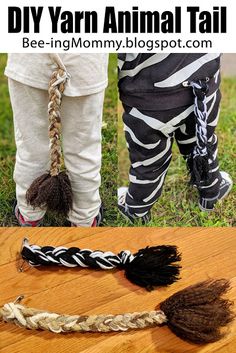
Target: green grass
x,y
177,205
109,143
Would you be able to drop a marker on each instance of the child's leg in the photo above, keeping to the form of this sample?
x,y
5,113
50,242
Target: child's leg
x,y
81,125
150,155
29,107
186,139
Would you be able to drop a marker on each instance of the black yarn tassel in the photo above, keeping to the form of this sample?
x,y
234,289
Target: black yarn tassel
x,y
199,169
154,266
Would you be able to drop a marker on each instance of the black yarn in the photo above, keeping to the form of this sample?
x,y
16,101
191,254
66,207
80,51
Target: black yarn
x,y
198,167
148,268
154,266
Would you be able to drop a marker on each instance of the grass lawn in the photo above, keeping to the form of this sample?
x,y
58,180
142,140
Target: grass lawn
x,y
177,205
7,153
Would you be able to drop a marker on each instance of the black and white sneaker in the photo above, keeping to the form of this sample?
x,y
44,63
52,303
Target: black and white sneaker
x,y
133,218
208,204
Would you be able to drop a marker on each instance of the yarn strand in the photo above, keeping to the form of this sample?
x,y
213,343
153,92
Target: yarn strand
x,y
149,267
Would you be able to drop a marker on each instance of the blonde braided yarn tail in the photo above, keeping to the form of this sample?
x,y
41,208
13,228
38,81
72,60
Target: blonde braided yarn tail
x,y
52,190
35,319
56,89
197,314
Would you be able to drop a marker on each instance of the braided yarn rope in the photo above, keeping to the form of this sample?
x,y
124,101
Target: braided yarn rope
x,y
198,161
149,267
74,257
200,110
56,89
37,319
52,190
196,313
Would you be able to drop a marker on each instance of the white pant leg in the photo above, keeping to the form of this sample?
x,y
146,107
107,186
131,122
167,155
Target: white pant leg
x,y
29,107
81,130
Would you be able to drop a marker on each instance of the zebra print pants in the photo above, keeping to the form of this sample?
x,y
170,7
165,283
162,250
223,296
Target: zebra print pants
x,y
150,135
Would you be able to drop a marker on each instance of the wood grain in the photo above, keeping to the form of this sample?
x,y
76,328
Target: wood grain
x,y
206,252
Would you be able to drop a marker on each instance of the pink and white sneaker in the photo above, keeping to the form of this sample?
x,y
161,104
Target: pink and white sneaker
x,y
97,220
24,223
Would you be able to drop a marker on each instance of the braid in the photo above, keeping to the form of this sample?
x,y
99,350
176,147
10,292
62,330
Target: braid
x,y
149,267
52,190
198,160
37,319
56,89
200,111
196,314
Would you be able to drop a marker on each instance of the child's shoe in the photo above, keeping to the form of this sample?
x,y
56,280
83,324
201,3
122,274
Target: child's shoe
x,y
97,220
24,223
145,217
208,204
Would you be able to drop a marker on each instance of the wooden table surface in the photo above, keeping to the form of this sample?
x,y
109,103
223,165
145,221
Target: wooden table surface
x,y
207,253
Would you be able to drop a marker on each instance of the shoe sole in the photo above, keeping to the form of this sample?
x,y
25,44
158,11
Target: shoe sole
x,y
124,216
226,177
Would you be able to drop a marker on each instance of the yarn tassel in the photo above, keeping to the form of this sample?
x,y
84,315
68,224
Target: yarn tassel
x,y
198,167
154,266
148,268
53,190
196,314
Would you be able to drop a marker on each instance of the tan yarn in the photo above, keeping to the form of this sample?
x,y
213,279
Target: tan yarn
x,y
35,319
52,190
56,89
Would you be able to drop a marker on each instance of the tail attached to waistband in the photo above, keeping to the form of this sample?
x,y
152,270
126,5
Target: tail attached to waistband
x,y
52,190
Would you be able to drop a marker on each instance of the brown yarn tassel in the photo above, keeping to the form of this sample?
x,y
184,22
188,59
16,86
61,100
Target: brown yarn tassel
x,y
198,312
52,190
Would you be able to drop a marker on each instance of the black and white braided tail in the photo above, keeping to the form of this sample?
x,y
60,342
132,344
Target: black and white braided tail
x,y
199,160
149,267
